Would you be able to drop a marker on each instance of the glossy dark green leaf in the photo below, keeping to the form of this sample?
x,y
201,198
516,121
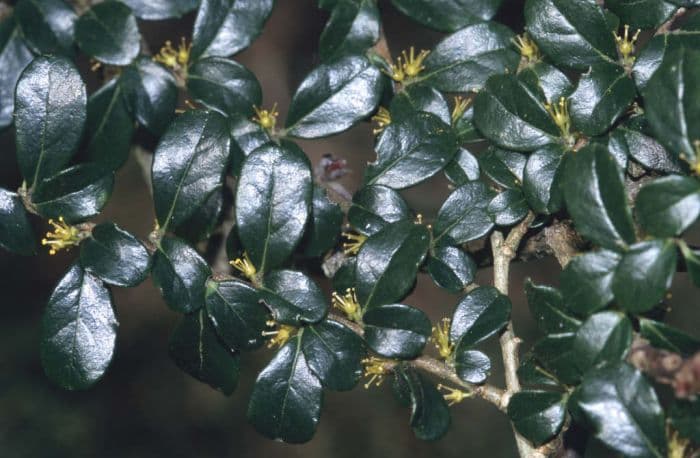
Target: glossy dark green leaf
x,y
273,203
189,165
47,25
225,27
668,206
411,150
78,193
667,337
537,415
549,309
530,373
197,350
16,234
685,417
334,97
50,103
623,411
333,352
430,416
202,223
508,207
78,331
479,315
472,366
323,229
352,28
180,273
153,10
512,115
448,15
451,268
108,32
237,313
396,330
463,61
586,281
293,297
633,140
504,167
692,262
555,353
573,33
246,137
547,80
419,97
344,277
224,85
463,216
464,167
115,256
14,56
464,127
603,94
644,274
542,179
643,14
286,400
388,262
596,198
670,102
109,127
604,338
151,92
374,207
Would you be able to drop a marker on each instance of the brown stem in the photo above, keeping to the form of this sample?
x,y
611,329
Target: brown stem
x,y
666,26
504,252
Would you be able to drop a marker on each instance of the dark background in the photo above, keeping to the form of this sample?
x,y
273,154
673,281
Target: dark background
x,y
146,407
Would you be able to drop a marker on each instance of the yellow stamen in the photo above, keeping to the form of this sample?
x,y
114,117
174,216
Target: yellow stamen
x,y
441,338
95,65
419,219
560,114
354,244
382,118
461,105
245,266
528,49
408,65
266,118
677,446
625,45
454,395
64,236
174,58
376,368
348,304
280,336
695,166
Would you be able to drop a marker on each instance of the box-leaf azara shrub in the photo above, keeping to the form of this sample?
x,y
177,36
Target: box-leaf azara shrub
x,y
576,137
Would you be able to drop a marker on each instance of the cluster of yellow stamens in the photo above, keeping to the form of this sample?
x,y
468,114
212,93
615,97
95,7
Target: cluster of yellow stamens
x,y
64,236
348,304
625,45
376,368
441,338
280,336
408,65
677,446
453,395
382,118
174,58
354,244
696,164
245,266
461,105
560,115
266,118
527,48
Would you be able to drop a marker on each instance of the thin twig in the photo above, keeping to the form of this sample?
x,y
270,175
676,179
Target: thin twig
x,y
440,370
504,252
666,26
